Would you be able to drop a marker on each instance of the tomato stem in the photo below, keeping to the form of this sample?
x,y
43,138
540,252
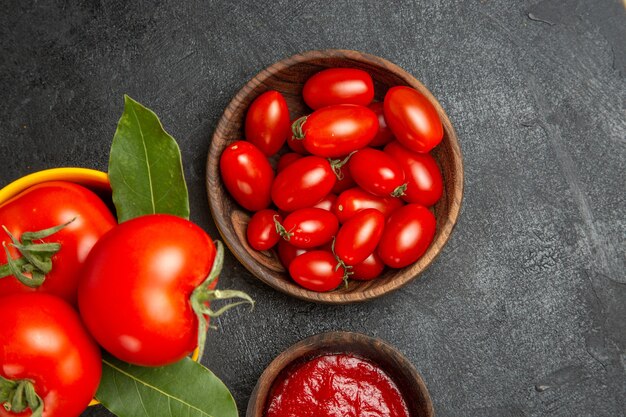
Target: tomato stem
x,y
400,190
203,295
341,264
36,258
337,164
280,229
296,128
17,396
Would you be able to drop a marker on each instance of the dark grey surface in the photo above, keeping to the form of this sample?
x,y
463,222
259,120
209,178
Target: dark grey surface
x,y
524,313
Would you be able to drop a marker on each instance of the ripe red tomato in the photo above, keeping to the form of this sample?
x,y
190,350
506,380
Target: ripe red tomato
x,y
154,270
408,233
413,119
303,183
286,160
335,131
247,175
287,252
44,206
45,345
309,227
369,269
261,231
377,173
317,271
338,86
423,177
267,122
355,199
384,134
344,180
327,202
359,236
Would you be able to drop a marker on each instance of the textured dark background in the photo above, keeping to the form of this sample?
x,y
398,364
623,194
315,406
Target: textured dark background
x,y
524,313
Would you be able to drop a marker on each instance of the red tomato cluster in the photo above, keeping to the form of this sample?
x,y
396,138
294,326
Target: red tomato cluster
x,y
351,194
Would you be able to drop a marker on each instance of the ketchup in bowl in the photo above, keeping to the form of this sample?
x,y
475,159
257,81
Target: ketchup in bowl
x,y
338,385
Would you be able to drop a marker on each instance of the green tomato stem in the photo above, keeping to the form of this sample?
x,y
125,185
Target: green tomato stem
x,y
296,128
17,396
400,190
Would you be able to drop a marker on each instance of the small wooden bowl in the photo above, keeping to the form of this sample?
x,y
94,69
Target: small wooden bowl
x,y
390,360
288,76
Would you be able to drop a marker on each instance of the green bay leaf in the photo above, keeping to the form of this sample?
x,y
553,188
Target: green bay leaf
x,y
185,388
145,166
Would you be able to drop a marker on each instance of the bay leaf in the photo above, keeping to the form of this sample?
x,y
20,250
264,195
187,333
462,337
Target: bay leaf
x,y
145,166
185,388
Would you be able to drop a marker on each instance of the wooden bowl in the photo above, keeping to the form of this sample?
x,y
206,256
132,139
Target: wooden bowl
x,y
288,77
390,360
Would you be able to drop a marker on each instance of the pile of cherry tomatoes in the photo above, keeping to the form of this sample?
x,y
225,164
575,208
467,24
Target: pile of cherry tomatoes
x,y
352,194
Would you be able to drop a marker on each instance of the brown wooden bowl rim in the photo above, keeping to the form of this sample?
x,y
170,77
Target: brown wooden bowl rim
x,y
404,275
325,343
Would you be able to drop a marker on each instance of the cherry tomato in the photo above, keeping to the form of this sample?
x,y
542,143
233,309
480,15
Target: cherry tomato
x,y
286,160
302,184
369,269
384,134
144,286
44,206
247,175
344,180
317,271
309,227
327,202
267,122
413,119
45,345
338,86
355,199
423,177
261,230
378,173
408,233
335,131
287,252
359,236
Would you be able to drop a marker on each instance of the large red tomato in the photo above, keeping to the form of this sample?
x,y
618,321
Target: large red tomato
x,y
335,131
303,183
423,177
44,206
45,347
413,119
355,199
408,233
247,175
338,86
145,287
267,122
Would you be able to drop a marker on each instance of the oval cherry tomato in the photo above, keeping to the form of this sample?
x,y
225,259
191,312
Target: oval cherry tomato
x,y
309,227
423,177
355,199
377,173
338,86
359,236
44,344
44,206
302,184
247,175
384,134
286,160
408,233
261,231
369,269
153,270
287,252
335,131
413,119
267,122
327,202
317,271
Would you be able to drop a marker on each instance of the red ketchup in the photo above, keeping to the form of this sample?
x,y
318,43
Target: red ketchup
x,y
336,386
